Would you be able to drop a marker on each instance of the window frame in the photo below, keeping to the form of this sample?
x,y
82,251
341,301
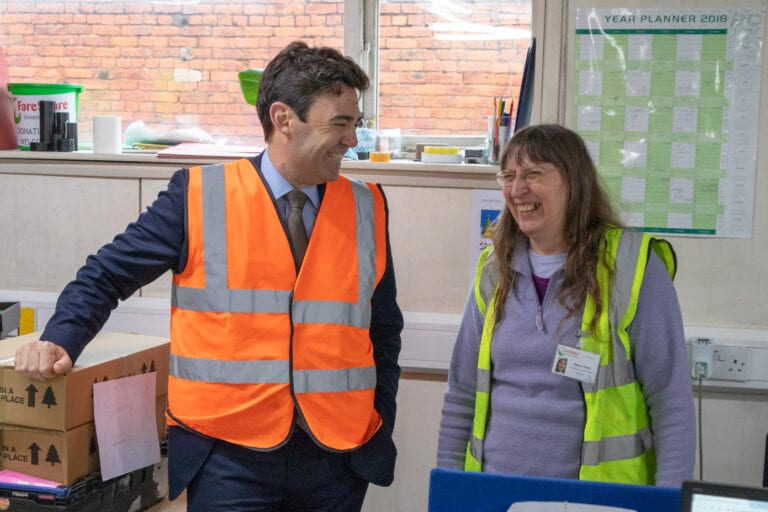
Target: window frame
x,y
361,42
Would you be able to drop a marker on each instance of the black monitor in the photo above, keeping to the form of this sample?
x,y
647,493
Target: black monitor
x,y
525,100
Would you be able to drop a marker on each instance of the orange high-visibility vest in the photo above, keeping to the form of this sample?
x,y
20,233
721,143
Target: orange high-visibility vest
x,y
252,341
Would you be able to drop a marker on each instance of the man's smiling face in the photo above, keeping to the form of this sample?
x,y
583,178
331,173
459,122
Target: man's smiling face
x,y
317,146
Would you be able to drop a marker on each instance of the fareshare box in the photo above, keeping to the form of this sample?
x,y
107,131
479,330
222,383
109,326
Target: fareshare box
x,y
66,402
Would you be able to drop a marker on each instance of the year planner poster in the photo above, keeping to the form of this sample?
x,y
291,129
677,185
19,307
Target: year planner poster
x,y
667,101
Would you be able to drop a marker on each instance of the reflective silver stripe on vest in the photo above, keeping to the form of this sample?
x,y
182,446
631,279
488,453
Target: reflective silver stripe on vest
x,y
272,372
329,312
484,380
234,301
323,381
229,372
218,298
618,373
627,255
489,277
344,313
476,447
621,370
214,227
616,448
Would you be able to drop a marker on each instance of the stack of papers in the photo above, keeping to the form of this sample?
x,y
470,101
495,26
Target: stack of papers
x,y
196,150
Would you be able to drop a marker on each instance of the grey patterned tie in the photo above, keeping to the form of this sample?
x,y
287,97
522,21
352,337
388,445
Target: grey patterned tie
x,y
296,199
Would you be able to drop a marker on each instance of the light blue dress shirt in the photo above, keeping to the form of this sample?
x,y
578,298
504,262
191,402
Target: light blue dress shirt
x,y
279,187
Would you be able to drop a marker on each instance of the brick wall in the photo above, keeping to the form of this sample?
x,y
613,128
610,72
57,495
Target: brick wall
x,y
439,88
175,66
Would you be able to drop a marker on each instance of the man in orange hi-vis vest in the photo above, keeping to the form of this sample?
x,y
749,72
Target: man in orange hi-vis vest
x,y
285,329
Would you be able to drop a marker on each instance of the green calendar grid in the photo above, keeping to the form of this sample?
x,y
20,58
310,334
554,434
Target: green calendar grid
x,y
704,171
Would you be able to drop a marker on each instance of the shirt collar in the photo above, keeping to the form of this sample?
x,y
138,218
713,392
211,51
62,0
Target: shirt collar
x,y
279,185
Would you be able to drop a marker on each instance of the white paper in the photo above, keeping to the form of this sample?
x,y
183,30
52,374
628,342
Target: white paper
x,y
632,189
107,134
687,83
689,47
591,83
681,191
126,424
680,220
633,219
589,118
638,83
594,151
635,119
684,119
640,46
634,153
593,46
683,155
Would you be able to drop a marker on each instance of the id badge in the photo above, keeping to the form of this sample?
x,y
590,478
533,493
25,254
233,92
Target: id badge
x,y
576,364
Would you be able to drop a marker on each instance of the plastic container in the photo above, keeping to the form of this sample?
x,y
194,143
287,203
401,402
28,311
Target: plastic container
x,y
378,156
441,155
25,106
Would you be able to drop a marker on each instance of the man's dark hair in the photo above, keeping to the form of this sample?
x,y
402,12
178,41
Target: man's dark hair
x,y
299,74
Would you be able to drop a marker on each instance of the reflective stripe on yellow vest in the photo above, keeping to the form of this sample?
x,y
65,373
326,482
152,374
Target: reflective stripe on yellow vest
x,y
618,447
486,277
252,341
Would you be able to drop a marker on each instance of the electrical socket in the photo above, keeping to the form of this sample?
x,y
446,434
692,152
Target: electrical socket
x,y
701,358
730,363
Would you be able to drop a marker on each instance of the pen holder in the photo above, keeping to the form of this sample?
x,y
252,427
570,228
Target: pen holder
x,y
495,140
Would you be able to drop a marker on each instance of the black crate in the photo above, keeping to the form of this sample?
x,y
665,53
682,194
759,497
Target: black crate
x,y
89,494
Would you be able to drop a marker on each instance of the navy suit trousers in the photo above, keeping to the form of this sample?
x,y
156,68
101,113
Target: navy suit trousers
x,y
299,476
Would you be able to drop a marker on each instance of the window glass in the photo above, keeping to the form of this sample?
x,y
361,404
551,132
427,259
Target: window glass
x,y
171,64
442,62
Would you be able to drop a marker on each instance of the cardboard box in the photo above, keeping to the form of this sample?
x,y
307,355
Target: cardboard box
x,y
54,455
59,456
9,318
161,404
66,402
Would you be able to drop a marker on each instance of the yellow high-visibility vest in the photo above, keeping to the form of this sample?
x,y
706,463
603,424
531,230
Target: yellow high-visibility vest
x,y
618,442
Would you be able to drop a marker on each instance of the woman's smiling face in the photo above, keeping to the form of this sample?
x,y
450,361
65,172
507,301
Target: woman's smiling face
x,y
536,195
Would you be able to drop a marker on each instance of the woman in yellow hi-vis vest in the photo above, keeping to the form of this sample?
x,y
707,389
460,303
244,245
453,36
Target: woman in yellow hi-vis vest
x,y
570,360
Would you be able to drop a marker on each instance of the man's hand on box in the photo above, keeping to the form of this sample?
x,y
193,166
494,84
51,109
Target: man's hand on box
x,y
41,360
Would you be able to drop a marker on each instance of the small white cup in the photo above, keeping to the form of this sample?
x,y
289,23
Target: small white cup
x,y
107,134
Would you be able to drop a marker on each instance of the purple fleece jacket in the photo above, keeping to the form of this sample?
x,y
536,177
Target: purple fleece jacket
x,y
536,418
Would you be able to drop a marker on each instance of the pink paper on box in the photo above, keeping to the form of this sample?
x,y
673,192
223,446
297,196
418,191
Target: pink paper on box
x,y
13,477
